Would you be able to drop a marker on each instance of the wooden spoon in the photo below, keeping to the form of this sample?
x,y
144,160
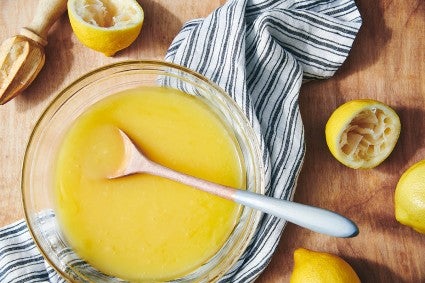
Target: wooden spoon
x,y
22,56
313,218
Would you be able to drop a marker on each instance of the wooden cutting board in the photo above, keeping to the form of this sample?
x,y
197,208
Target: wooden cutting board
x,y
387,63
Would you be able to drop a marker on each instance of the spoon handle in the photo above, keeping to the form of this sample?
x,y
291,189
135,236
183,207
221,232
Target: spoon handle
x,y
316,219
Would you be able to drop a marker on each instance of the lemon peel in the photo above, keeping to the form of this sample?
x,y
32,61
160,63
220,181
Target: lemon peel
x,y
106,26
409,199
362,133
312,266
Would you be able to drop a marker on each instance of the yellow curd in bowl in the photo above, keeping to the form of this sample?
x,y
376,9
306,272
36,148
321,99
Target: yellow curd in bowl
x,y
144,227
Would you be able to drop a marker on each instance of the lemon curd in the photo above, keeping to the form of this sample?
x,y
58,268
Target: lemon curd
x,y
144,227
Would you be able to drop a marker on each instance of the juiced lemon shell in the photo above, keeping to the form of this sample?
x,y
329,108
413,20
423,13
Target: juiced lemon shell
x,y
106,26
362,133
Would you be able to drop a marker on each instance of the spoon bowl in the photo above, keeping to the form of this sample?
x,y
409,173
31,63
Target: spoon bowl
x,y
316,219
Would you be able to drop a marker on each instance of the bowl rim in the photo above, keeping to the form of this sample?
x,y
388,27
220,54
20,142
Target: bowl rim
x,y
59,96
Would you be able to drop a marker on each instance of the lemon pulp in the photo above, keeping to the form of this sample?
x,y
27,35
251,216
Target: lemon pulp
x,y
144,227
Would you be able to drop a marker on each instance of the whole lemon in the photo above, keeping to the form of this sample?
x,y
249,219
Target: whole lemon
x,y
106,26
409,197
361,133
319,267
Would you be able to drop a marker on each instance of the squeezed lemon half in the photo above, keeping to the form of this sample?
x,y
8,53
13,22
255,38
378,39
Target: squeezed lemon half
x,y
311,266
409,197
106,26
362,133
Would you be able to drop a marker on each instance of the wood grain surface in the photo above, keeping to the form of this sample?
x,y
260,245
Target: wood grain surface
x,y
387,63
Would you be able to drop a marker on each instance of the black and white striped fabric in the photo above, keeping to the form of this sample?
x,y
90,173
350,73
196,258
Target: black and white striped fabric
x,y
260,52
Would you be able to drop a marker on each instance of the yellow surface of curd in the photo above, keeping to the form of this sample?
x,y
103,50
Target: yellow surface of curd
x,y
144,227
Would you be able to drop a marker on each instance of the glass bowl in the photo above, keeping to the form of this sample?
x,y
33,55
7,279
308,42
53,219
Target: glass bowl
x,y
37,176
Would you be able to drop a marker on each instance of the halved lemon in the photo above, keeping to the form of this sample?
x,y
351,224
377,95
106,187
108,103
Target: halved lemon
x,y
362,133
106,26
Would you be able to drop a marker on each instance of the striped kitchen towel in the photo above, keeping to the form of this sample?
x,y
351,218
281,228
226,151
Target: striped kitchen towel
x,y
260,52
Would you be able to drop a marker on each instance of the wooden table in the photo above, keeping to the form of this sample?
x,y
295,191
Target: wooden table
x,y
387,63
